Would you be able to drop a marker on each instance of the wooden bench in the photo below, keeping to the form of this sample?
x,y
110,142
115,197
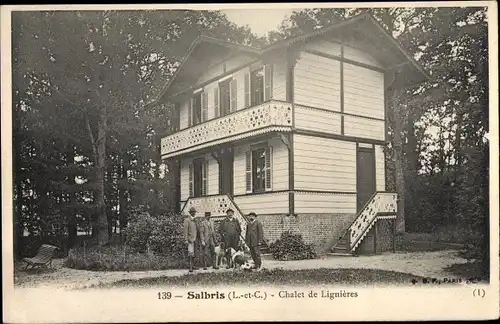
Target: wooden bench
x,y
43,257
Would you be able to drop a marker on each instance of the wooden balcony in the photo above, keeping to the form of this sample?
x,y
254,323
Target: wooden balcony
x,y
271,116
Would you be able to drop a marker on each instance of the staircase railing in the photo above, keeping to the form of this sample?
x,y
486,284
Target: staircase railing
x,y
380,202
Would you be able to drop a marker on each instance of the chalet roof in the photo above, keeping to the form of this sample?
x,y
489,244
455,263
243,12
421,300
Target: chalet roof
x,y
363,28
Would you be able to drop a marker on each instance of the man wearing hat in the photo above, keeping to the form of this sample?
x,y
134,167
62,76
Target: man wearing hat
x,y
254,237
230,231
190,232
207,239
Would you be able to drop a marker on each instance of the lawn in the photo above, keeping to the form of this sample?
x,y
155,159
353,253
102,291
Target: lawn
x,y
275,277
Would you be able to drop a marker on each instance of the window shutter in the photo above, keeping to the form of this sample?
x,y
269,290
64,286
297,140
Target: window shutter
x,y
191,176
268,82
216,102
190,113
248,172
233,94
204,106
204,178
247,90
269,152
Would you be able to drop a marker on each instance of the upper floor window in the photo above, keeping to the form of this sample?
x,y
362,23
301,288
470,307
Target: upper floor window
x,y
196,109
225,97
258,85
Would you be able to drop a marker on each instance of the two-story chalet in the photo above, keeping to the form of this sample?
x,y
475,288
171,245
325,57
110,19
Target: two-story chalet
x,y
294,132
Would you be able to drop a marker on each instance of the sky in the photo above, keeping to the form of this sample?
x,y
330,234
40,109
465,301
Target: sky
x,y
260,20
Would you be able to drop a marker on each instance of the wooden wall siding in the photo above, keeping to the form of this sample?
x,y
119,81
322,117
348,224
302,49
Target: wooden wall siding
x,y
364,127
306,202
324,164
272,203
325,46
363,91
380,167
317,82
279,81
361,56
279,167
317,120
185,179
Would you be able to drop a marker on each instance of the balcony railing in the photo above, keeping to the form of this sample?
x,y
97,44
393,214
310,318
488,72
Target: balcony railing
x,y
270,116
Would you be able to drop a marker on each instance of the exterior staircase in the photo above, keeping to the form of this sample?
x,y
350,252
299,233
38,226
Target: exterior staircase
x,y
381,205
217,205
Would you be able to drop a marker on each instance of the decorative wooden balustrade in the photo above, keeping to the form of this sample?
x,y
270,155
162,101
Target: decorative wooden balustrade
x,y
271,116
381,205
217,206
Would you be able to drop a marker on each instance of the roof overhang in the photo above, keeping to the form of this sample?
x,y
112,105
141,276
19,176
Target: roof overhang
x,y
362,30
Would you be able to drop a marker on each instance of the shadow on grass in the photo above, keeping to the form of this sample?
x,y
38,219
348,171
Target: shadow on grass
x,y
275,277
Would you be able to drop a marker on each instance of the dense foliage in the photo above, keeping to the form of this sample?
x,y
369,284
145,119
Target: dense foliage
x,y
291,246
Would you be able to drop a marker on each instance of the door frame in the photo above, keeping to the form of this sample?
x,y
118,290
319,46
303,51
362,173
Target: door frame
x,y
373,173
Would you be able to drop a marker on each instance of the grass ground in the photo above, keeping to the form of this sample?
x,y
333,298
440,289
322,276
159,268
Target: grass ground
x,y
275,277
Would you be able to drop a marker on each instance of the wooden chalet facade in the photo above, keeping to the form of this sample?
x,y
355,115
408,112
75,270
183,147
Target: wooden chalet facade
x,y
294,132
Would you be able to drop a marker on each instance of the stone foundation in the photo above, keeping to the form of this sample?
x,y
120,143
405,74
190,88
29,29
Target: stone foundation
x,y
321,230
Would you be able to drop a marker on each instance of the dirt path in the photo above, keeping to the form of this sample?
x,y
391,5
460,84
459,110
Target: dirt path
x,y
425,264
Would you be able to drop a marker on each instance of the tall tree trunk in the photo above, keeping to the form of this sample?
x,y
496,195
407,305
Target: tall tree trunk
x,y
102,219
72,221
399,120
122,199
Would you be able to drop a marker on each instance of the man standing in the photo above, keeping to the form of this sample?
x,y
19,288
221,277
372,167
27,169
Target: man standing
x,y
207,242
230,231
190,232
254,238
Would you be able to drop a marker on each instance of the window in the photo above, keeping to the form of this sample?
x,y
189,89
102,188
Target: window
x,y
258,169
198,178
225,97
257,87
196,109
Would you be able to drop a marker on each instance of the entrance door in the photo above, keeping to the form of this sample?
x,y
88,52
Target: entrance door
x,y
365,175
226,172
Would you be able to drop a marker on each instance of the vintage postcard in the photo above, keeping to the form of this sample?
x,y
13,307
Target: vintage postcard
x,y
240,162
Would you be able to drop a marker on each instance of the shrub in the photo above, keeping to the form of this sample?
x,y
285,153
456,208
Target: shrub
x,y
161,234
119,258
292,247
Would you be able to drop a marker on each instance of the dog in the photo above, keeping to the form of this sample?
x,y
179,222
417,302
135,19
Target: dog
x,y
239,261
220,255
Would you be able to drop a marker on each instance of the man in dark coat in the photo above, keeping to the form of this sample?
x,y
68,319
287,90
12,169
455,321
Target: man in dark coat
x,y
230,231
254,238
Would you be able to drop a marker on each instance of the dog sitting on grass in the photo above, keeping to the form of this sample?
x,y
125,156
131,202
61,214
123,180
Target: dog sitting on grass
x,y
239,261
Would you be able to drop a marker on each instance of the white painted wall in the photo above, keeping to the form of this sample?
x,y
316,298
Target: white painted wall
x,y
279,81
317,120
324,164
359,55
317,82
364,127
324,203
363,91
325,46
185,178
271,203
380,168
